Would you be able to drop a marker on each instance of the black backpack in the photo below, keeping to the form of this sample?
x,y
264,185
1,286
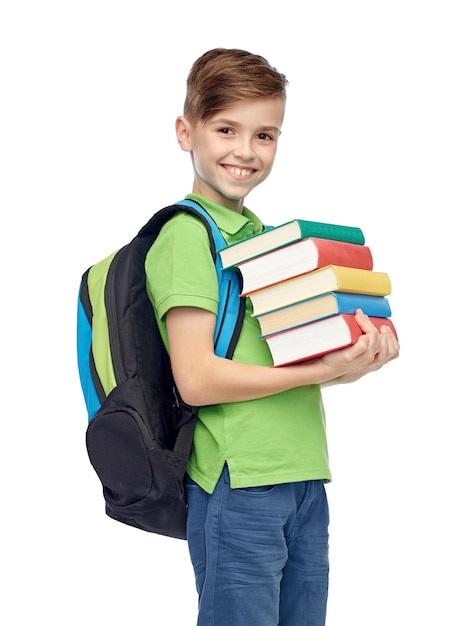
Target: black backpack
x,y
140,431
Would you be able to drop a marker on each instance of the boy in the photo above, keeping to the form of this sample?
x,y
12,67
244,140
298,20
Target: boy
x,y
257,509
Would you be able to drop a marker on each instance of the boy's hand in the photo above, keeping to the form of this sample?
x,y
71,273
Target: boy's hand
x,y
372,350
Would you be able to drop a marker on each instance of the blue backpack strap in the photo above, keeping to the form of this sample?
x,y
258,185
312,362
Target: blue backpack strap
x,y
231,306
91,391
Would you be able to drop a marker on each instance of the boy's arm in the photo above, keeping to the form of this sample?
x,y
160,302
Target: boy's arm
x,y
203,378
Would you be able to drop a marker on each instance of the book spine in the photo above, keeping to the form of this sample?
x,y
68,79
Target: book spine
x,y
377,306
351,234
342,253
353,280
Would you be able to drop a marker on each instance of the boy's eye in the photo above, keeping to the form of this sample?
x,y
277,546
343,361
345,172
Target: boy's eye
x,y
225,131
265,137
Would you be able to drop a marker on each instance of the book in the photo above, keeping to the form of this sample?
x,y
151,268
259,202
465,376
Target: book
x,y
300,257
309,341
322,306
317,282
284,234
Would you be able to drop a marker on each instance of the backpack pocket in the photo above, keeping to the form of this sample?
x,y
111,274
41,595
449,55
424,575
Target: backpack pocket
x,y
142,483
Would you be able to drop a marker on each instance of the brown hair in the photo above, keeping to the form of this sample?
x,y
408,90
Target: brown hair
x,y
222,77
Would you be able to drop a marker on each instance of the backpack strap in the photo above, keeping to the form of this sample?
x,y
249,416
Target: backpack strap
x,y
231,308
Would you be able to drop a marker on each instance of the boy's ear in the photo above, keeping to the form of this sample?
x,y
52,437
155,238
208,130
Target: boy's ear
x,y
183,128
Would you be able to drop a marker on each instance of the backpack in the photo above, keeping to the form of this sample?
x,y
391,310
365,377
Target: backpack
x,y
140,432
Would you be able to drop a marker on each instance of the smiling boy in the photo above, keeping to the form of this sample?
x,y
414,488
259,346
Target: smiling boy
x,y
257,509
234,150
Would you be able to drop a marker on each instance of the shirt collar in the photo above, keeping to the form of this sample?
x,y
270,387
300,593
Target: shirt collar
x,y
237,225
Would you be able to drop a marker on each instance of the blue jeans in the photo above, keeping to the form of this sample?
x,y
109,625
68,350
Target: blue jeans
x,y
260,555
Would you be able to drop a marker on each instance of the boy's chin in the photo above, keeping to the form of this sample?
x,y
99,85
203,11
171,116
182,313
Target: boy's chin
x,y
229,198
236,195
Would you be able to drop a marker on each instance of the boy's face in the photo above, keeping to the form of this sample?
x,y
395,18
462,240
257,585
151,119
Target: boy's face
x,y
234,150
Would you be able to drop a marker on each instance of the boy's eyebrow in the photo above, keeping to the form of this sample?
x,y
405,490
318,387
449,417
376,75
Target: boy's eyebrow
x,y
234,123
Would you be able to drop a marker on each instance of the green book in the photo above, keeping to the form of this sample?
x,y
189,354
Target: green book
x,y
285,234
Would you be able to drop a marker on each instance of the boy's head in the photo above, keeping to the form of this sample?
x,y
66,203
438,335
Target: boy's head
x,y
223,77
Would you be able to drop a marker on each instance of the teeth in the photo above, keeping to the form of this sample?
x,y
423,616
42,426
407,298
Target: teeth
x,y
239,172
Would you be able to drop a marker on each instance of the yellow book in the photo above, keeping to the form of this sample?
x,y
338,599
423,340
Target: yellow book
x,y
328,278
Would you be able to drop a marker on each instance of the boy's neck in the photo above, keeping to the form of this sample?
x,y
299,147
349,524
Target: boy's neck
x,y
233,205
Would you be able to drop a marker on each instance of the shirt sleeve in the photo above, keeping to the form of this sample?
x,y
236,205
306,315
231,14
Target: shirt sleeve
x,y
179,267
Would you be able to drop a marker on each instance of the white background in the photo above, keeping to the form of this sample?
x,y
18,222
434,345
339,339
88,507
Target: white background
x,y
375,136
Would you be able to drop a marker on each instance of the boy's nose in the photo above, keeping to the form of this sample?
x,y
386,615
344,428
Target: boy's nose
x,y
244,149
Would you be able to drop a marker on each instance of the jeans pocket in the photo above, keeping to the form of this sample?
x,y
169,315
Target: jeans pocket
x,y
256,490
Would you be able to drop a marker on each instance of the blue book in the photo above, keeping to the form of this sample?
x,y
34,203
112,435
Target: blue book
x,y
325,305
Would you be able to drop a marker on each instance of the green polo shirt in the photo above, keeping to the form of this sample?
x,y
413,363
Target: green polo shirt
x,y
281,438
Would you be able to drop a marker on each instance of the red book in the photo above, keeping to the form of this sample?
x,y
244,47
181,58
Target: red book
x,y
309,341
300,257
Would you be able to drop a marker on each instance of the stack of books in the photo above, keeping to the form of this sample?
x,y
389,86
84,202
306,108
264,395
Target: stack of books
x,y
306,280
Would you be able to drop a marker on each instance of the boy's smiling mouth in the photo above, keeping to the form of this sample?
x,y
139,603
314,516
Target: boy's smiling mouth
x,y
239,171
